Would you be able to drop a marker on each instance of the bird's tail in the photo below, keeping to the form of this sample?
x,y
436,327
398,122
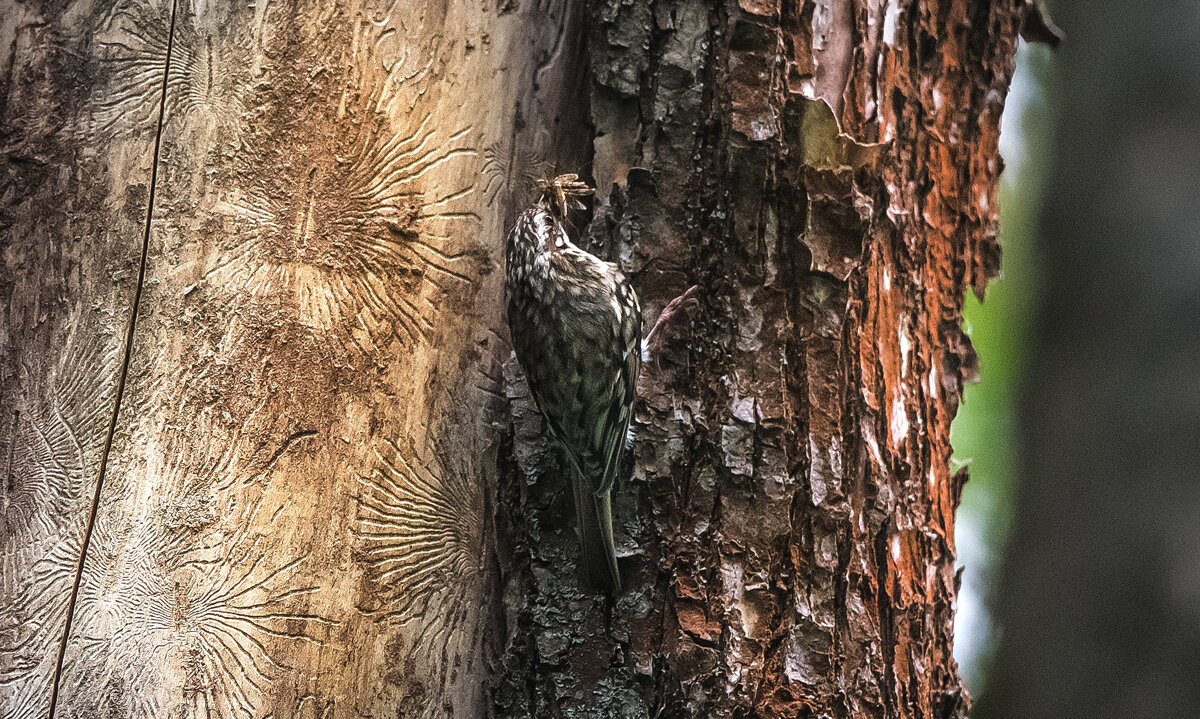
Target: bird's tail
x,y
593,514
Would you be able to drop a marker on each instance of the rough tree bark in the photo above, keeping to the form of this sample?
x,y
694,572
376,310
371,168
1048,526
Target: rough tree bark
x,y
825,174
266,453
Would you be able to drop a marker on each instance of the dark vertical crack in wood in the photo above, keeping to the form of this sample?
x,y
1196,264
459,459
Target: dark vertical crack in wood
x,y
124,373
887,635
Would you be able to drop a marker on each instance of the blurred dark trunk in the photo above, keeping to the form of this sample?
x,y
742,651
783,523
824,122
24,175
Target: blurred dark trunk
x,y
1100,602
788,532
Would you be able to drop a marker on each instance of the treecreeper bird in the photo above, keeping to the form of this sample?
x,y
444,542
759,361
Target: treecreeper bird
x,y
576,328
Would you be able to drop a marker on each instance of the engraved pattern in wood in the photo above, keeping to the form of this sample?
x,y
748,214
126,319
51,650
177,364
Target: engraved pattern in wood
x,y
318,285
72,217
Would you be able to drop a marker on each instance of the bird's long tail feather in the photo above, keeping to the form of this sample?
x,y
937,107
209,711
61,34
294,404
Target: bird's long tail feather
x,y
593,514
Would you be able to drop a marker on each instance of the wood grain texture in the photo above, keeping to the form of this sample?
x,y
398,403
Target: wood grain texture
x,y
72,219
296,518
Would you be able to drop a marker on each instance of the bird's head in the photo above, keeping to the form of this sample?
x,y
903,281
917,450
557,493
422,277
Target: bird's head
x,y
562,194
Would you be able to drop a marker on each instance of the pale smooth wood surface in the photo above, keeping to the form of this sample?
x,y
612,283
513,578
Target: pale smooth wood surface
x,y
74,190
295,519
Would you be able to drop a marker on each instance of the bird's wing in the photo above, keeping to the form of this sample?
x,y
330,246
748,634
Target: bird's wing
x,y
624,387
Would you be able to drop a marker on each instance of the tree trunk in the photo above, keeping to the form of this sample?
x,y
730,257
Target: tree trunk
x,y
266,453
788,529
301,204
1098,599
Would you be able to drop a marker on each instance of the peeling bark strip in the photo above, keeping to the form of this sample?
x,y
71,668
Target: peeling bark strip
x,y
826,173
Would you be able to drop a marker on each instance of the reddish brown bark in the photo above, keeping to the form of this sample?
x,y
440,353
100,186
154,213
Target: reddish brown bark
x,y
789,522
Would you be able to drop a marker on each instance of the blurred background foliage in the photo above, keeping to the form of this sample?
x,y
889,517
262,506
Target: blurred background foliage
x,y
984,432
